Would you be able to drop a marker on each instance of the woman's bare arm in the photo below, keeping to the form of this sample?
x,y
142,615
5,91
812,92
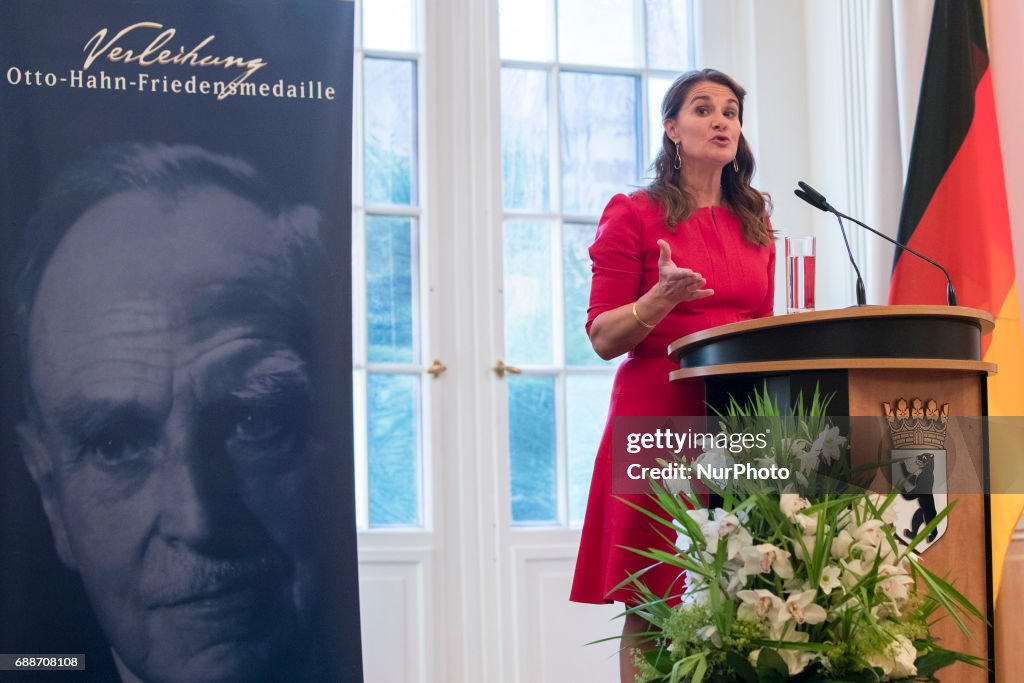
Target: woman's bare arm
x,y
618,331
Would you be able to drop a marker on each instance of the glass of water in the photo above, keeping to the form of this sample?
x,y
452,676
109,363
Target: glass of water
x,y
799,274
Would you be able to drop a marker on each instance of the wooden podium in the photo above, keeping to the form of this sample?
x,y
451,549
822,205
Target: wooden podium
x,y
868,357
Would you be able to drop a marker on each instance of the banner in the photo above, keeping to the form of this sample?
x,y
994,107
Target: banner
x,y
176,481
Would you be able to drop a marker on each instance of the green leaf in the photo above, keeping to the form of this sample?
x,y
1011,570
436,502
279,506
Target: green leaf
x,y
771,668
929,663
948,596
745,671
701,670
682,668
659,659
866,676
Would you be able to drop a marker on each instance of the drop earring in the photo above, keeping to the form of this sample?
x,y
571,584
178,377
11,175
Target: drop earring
x,y
735,166
679,160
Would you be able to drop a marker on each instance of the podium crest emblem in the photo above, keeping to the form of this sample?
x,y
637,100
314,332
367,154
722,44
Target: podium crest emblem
x,y
918,431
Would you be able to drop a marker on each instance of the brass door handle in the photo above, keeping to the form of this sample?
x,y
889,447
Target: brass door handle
x,y
500,369
436,368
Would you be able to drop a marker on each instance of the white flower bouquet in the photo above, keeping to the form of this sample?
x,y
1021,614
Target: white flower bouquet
x,y
800,579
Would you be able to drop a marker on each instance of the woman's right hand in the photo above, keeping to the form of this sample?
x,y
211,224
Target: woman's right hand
x,y
677,284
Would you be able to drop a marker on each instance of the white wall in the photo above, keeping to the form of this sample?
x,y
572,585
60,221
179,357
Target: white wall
x,y
830,102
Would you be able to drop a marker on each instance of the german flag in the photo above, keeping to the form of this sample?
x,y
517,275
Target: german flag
x,y
955,211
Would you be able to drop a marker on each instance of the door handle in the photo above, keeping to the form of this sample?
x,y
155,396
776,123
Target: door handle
x,y
500,369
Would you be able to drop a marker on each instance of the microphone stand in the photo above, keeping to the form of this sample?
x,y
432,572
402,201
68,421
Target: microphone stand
x,y
817,200
950,290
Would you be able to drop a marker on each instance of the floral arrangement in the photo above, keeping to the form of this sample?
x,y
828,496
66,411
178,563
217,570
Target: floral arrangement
x,y
800,579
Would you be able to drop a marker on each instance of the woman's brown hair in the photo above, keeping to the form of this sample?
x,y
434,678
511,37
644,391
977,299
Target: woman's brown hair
x,y
749,205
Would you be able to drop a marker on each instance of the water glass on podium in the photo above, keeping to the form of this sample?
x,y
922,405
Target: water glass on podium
x,y
799,274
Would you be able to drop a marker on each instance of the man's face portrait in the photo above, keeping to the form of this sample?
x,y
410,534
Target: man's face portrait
x,y
171,431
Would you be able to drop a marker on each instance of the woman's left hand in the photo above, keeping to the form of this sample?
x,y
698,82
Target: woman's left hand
x,y
677,284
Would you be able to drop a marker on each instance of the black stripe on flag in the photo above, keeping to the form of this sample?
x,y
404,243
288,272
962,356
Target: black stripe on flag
x,y
957,58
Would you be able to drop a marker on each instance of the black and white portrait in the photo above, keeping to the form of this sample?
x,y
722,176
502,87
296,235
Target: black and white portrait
x,y
171,419
176,480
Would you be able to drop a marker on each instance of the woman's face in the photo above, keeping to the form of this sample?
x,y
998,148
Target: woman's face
x,y
707,126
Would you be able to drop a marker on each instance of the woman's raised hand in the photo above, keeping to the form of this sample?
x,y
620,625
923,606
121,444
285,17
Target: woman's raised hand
x,y
678,284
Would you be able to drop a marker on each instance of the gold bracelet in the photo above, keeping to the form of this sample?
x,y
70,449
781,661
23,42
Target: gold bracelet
x,y
637,316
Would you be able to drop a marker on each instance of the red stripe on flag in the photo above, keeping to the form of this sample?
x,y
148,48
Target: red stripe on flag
x,y
966,226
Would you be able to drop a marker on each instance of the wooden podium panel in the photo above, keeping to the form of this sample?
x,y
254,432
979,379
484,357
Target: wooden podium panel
x,y
961,555
866,356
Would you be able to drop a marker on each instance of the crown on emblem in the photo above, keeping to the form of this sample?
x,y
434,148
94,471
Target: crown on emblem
x,y
916,423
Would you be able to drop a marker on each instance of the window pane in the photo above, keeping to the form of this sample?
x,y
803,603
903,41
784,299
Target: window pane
x,y
586,399
531,423
576,240
389,25
601,32
656,89
526,30
524,138
390,293
668,36
600,139
392,449
390,131
527,299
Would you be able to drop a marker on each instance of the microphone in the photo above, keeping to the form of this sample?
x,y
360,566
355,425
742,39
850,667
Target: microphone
x,y
817,200
812,196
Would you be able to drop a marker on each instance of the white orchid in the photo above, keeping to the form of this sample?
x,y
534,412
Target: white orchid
x,y
866,509
683,542
716,525
896,584
889,514
759,605
854,571
793,446
869,534
808,461
841,544
695,590
717,458
734,577
738,540
729,523
791,504
897,660
800,608
712,532
828,444
765,558
708,526
885,610
828,581
678,483
710,634
800,544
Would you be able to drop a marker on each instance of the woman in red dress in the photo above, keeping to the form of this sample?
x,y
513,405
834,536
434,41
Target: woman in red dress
x,y
692,251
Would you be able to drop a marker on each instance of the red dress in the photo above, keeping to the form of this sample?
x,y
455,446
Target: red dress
x,y
625,265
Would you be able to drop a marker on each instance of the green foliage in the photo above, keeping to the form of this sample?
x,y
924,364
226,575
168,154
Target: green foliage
x,y
801,580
